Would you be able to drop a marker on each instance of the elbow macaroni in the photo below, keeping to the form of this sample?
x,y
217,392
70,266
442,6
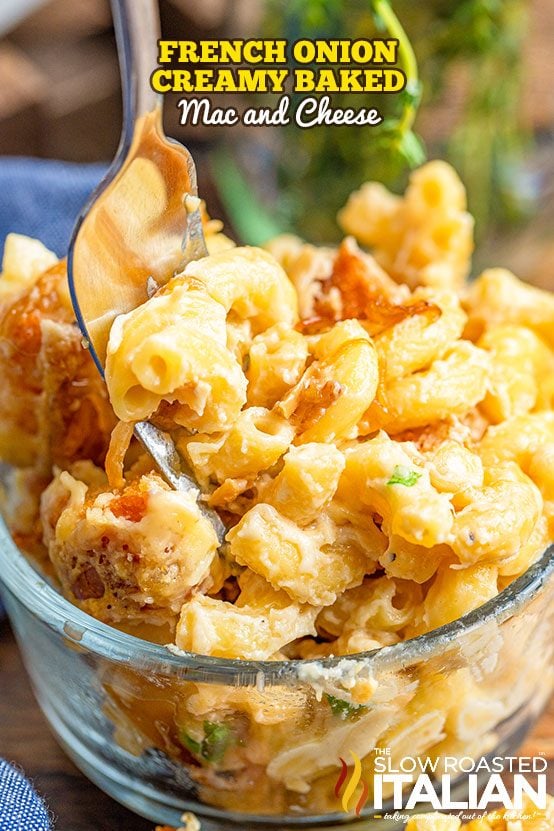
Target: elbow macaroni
x,y
425,238
174,349
313,565
255,442
307,482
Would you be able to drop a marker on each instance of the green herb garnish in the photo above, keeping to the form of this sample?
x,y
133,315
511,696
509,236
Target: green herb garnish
x,y
217,739
191,744
402,475
343,709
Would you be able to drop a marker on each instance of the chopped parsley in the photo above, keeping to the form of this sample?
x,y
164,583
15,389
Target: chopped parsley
x,y
343,709
190,743
217,739
402,475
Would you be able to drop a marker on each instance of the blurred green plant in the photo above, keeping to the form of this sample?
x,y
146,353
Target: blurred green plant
x,y
477,41
481,41
327,164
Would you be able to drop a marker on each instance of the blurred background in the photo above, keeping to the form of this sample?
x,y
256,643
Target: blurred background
x,y
488,107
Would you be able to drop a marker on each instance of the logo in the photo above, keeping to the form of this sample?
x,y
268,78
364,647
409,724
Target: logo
x,y
437,783
351,785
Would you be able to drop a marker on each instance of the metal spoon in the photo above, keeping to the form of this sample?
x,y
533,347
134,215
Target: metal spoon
x,y
142,224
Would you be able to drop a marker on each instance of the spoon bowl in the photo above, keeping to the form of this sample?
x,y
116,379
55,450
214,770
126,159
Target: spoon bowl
x,y
130,238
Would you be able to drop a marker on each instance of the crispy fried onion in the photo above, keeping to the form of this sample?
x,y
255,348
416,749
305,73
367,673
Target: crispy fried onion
x,y
115,457
359,288
311,398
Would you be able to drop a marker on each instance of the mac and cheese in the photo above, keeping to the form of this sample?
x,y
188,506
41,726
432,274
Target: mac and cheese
x,y
377,436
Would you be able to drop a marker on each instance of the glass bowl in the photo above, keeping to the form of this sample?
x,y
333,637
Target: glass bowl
x,y
258,744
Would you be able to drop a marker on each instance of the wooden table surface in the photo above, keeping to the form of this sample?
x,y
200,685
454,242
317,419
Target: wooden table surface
x,y
76,804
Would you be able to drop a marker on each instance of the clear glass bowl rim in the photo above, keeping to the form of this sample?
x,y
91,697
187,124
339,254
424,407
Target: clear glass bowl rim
x,y
44,602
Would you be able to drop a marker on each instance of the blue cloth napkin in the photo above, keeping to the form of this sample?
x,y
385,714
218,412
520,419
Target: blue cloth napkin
x,y
21,809
40,198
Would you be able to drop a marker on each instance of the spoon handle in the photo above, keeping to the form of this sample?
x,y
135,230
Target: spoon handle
x,y
137,30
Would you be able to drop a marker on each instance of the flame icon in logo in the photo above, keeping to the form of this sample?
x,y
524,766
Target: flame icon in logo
x,y
351,785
